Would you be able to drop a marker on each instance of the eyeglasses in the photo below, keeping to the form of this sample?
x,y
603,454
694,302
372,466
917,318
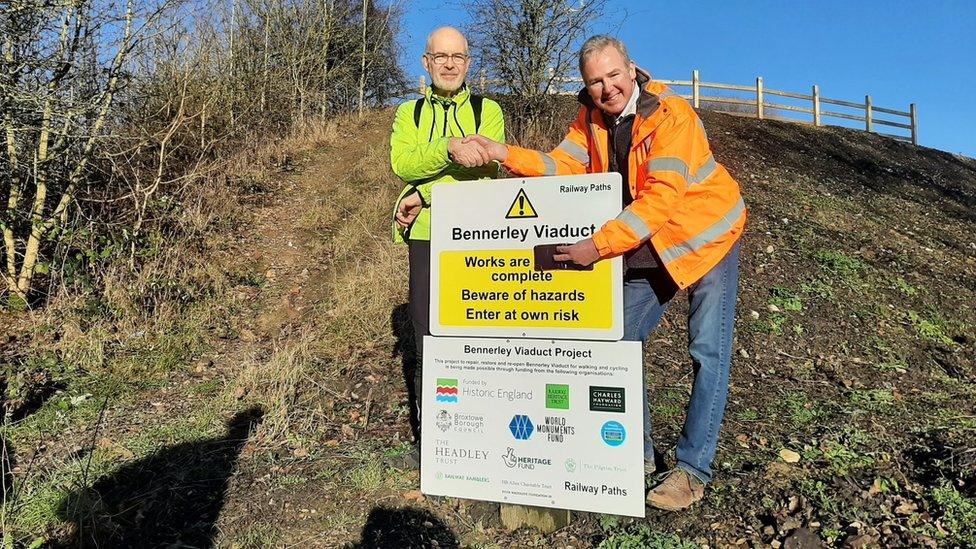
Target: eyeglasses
x,y
441,58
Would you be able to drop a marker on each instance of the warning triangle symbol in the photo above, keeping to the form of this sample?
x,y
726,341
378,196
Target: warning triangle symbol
x,y
521,207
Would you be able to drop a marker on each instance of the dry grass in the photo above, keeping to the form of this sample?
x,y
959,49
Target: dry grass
x,y
363,283
368,271
161,307
145,323
283,383
172,301
259,162
314,134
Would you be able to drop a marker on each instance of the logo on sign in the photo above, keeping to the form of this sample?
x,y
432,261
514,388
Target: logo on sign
x,y
613,433
462,477
443,421
447,391
447,454
521,427
557,396
607,399
556,429
570,465
460,422
513,460
480,389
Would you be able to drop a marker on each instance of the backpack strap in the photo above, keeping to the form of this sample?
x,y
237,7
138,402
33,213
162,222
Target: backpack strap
x,y
476,103
418,108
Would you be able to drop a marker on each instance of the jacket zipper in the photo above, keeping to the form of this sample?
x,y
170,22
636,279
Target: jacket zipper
x,y
446,108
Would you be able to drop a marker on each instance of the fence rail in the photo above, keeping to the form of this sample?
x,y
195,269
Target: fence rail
x,y
758,104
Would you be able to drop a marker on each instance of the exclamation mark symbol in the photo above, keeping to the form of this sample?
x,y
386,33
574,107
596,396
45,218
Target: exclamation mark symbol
x,y
521,207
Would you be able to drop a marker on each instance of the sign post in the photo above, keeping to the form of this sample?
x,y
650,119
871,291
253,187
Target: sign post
x,y
529,397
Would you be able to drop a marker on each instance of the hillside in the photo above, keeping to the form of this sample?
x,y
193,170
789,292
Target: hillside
x,y
855,348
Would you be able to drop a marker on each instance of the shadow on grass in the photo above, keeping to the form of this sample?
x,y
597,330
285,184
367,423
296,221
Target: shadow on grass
x,y
407,349
405,528
170,498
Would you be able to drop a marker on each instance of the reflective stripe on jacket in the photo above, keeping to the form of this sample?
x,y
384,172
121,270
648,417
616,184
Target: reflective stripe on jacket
x,y
418,151
685,204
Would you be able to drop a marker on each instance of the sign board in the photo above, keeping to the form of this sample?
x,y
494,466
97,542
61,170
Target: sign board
x,y
534,422
483,276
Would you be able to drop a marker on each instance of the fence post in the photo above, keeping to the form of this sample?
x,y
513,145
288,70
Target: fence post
x,y
423,85
914,114
694,87
759,98
868,122
483,81
816,105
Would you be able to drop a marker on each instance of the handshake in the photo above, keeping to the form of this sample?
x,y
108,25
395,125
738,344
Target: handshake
x,y
475,150
471,151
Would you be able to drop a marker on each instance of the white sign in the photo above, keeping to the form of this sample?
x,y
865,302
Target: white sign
x,y
534,422
484,277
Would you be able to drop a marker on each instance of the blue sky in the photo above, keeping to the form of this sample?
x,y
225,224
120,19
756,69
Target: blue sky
x,y
899,52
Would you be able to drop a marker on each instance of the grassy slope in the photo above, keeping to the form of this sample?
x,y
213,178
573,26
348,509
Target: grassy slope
x,y
854,349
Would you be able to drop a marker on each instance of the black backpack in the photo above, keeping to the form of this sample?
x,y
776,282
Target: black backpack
x,y
476,103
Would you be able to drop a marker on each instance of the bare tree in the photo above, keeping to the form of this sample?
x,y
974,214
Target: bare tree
x,y
528,47
58,87
105,104
326,56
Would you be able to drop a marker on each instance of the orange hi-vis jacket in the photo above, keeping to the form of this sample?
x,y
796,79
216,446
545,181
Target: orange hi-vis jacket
x,y
685,204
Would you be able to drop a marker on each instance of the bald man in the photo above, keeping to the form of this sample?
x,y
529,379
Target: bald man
x,y
427,149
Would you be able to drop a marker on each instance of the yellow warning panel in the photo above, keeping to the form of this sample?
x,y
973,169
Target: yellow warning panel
x,y
521,207
501,288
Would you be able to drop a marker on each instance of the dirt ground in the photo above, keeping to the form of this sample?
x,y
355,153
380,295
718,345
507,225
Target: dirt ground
x,y
851,411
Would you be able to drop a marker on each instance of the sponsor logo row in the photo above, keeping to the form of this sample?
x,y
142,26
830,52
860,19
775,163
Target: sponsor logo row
x,y
514,459
601,399
446,453
553,429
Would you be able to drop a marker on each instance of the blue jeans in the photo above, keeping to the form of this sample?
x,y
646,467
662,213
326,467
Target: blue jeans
x,y
711,317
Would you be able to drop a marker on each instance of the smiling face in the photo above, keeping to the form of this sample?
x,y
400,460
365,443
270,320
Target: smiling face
x,y
447,46
609,79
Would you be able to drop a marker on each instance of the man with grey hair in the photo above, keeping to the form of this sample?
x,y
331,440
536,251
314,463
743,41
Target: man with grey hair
x,y
679,228
427,149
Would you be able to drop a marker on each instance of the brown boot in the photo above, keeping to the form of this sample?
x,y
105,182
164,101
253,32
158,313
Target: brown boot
x,y
677,491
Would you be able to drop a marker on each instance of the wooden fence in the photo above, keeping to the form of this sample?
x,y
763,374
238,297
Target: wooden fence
x,y
759,105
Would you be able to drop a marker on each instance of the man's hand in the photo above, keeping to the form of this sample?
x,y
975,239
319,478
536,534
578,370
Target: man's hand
x,y
408,209
582,253
467,153
496,151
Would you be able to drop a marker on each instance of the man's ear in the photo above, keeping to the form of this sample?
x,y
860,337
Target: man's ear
x,y
425,63
632,71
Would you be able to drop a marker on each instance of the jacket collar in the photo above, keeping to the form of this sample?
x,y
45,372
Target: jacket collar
x,y
458,98
648,102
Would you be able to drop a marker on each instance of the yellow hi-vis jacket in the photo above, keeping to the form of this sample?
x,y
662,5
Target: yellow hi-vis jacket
x,y
418,148
685,205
